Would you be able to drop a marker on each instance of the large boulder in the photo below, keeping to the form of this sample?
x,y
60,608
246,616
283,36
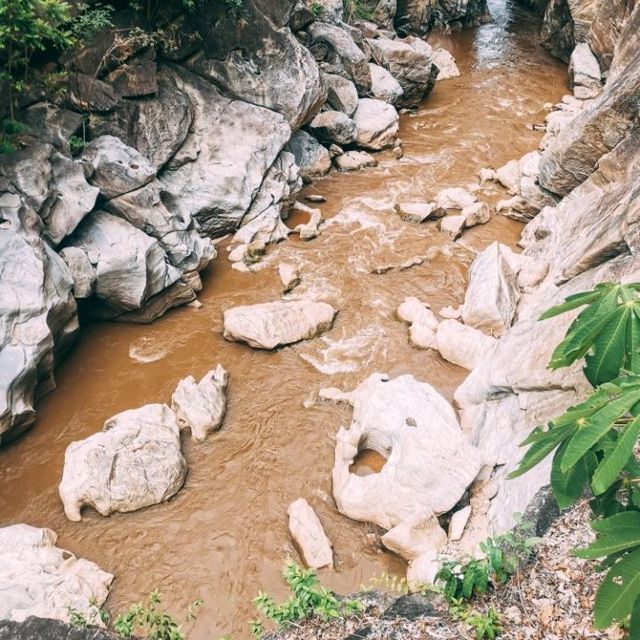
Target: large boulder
x,y
584,73
306,530
134,463
422,16
259,60
130,266
116,167
429,462
38,310
342,53
383,85
377,124
39,579
333,127
273,324
200,406
409,62
311,157
462,345
342,93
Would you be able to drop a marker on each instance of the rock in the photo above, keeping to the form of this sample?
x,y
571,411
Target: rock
x,y
446,64
462,345
409,63
117,168
137,77
39,579
86,93
342,93
492,295
509,176
383,85
410,607
307,532
38,309
262,63
146,210
423,16
200,406
343,53
35,628
422,332
51,125
289,276
423,570
415,535
458,523
273,324
82,271
315,197
454,198
300,17
333,126
377,124
311,229
453,226
418,211
130,266
451,313
428,466
487,175
476,213
585,77
354,161
331,10
134,463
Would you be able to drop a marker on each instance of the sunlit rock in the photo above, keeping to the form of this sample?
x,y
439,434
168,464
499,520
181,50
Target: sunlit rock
x,y
200,406
458,523
418,534
354,161
429,463
423,323
454,198
446,63
289,276
333,126
306,530
377,124
312,158
273,324
462,345
342,93
383,85
135,462
39,579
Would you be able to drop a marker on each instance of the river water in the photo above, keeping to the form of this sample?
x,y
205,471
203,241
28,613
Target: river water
x,y
224,536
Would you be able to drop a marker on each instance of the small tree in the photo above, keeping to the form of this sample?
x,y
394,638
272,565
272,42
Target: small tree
x,y
595,442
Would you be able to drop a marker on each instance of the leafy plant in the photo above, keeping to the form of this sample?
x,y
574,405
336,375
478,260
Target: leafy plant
x,y
357,10
317,9
150,621
595,442
390,583
503,555
10,132
308,599
76,144
485,625
76,618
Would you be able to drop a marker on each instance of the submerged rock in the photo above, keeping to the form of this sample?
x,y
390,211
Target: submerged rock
x,y
200,406
274,324
429,463
135,462
306,530
39,579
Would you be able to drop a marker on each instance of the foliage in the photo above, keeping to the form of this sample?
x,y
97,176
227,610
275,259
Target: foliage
x,y
502,557
487,626
76,618
76,144
595,442
308,599
10,132
149,621
317,9
357,10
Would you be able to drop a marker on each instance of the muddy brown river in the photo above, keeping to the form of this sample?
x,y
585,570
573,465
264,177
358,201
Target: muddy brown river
x,y
224,536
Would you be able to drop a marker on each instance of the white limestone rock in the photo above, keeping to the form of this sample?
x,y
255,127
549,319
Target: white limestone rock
x,y
585,77
200,406
487,175
423,570
289,276
134,463
453,226
429,464
458,523
418,534
446,63
273,324
476,213
311,229
333,127
342,93
423,323
39,579
418,211
312,158
492,295
454,198
82,271
377,124
307,531
383,85
354,161
462,345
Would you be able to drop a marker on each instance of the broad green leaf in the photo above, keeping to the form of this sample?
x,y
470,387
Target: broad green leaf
x,y
632,346
539,450
596,427
609,348
614,461
634,624
616,533
572,302
619,591
567,487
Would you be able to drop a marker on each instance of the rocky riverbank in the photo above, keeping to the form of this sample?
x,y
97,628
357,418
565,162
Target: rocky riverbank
x,y
123,230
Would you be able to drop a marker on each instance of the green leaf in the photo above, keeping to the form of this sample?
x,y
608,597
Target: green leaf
x,y
540,449
614,461
567,487
634,624
616,533
600,423
619,591
572,302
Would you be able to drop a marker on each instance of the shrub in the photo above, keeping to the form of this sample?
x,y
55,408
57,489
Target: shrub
x,y
595,441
